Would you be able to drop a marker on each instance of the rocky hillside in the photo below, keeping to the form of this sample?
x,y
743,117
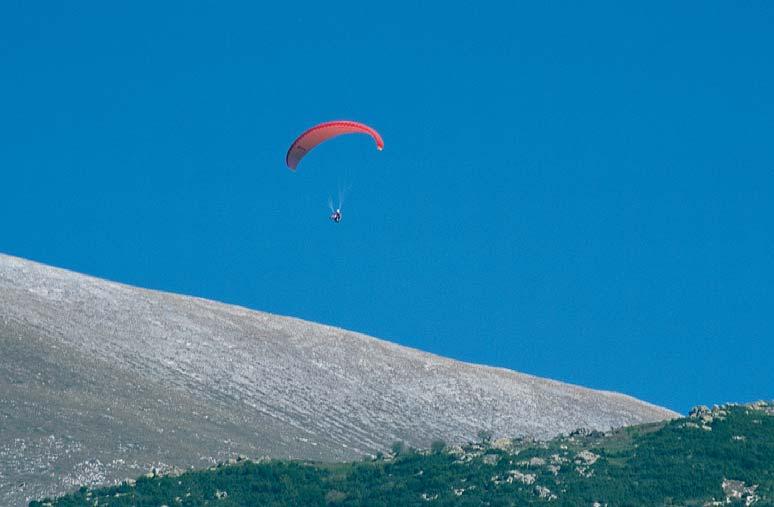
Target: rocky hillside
x,y
722,456
100,381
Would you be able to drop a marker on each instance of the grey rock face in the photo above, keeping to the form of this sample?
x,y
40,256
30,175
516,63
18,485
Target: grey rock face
x,y
101,381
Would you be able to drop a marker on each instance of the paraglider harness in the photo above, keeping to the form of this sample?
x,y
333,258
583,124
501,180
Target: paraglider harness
x,y
336,216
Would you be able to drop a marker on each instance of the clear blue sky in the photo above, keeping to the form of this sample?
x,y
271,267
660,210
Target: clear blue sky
x,y
578,192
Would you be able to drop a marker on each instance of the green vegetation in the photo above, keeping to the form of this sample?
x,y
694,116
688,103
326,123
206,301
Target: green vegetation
x,y
711,456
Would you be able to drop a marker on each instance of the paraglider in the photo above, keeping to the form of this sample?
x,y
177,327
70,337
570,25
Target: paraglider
x,y
321,133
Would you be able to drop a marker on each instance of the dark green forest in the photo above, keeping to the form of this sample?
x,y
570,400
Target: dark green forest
x,y
719,456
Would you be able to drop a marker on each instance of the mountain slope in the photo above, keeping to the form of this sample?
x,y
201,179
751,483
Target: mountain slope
x,y
100,380
723,456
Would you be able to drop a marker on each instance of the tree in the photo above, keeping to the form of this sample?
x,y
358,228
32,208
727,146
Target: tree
x,y
398,448
438,446
485,436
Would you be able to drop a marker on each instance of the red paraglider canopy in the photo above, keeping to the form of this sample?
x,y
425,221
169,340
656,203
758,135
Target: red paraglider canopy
x,y
321,133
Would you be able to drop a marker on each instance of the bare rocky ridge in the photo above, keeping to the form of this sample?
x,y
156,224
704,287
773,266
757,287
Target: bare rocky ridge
x,y
101,381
